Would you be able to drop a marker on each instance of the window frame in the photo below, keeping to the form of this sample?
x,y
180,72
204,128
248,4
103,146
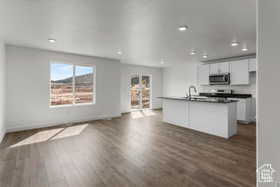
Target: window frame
x,y
74,104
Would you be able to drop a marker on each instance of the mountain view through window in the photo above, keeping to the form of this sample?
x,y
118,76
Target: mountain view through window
x,y
71,84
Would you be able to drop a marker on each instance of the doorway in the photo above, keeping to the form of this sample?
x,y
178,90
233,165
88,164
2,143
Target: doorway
x,y
140,92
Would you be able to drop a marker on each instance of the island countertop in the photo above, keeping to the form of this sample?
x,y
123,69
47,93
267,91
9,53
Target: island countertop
x,y
195,99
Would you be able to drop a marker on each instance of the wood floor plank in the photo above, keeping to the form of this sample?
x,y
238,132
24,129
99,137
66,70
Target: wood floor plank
x,y
127,151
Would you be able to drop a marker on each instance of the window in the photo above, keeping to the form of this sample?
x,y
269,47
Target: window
x,y
71,84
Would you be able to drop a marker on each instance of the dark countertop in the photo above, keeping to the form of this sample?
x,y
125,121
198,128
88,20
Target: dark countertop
x,y
225,95
208,100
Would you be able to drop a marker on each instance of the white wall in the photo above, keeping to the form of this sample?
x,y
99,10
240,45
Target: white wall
x,y
268,87
127,71
177,78
2,90
28,78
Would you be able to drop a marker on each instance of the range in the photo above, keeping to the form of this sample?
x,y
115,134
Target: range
x,y
224,94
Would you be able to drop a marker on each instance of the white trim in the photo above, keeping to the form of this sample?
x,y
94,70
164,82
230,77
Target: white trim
x,y
71,105
30,127
73,86
140,75
94,96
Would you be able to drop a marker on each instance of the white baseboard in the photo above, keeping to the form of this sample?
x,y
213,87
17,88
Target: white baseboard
x,y
2,136
38,126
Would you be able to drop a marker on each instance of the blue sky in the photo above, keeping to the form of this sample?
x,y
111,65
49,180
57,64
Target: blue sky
x,y
63,71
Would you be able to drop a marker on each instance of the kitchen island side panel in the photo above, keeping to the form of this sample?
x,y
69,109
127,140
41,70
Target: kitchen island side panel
x,y
213,118
176,112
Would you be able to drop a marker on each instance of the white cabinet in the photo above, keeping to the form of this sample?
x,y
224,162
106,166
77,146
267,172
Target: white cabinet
x,y
213,118
244,109
176,112
214,69
253,109
252,65
203,74
224,67
239,72
219,68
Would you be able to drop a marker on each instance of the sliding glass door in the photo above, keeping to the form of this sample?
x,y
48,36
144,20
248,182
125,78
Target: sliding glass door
x,y
146,91
140,91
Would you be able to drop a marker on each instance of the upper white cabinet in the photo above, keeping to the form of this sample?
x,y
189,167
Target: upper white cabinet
x,y
214,69
252,65
224,67
203,74
219,68
239,72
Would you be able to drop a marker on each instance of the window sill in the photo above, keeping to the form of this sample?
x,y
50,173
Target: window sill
x,y
73,105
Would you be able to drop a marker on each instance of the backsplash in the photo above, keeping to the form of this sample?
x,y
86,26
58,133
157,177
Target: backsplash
x,y
242,89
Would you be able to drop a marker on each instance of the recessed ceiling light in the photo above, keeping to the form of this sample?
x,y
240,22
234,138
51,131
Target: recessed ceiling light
x,y
244,49
234,43
205,56
183,28
162,62
119,53
51,40
193,52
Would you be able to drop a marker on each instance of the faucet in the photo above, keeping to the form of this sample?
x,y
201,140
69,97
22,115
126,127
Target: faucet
x,y
190,88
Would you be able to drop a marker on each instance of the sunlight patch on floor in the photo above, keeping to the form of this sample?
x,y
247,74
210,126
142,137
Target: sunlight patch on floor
x,y
51,134
136,115
149,113
142,114
70,131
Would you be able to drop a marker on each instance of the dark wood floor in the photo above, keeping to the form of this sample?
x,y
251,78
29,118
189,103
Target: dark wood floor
x,y
134,150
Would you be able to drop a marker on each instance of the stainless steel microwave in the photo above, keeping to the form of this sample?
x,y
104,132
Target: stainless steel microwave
x,y
219,79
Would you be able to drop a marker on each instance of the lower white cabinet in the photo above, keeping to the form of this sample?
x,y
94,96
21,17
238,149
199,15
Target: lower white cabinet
x,y
218,119
176,112
244,109
213,118
253,109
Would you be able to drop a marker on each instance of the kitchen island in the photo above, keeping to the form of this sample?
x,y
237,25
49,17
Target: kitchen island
x,y
209,115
